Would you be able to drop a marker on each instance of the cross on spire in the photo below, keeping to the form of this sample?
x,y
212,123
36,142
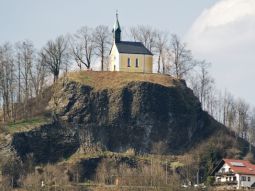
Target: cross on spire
x,y
117,14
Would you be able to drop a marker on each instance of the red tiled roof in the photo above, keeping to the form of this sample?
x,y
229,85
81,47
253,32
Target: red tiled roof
x,y
247,167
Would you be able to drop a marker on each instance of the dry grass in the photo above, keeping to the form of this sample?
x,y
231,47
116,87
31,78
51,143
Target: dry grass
x,y
26,125
76,157
111,80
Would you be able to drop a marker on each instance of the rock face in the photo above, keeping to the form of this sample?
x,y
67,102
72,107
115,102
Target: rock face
x,y
49,143
143,116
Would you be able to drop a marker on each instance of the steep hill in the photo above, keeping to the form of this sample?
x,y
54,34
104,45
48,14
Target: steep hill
x,y
119,112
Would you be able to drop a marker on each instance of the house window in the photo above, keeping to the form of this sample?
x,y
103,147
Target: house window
x,y
249,179
223,170
136,63
243,178
234,178
129,62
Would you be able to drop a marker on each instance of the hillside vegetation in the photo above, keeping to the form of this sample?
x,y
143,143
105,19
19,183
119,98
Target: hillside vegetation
x,y
112,126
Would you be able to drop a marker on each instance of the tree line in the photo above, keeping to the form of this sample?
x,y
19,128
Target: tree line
x,y
234,113
25,71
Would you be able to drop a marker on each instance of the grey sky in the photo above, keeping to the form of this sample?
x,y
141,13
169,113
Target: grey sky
x,y
41,20
224,34
212,34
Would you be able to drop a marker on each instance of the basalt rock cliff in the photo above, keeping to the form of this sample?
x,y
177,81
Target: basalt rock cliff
x,y
117,112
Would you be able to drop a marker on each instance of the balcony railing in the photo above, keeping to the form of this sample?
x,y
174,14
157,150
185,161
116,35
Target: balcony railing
x,y
224,174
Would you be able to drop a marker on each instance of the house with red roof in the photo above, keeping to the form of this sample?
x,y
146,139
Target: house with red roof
x,y
235,174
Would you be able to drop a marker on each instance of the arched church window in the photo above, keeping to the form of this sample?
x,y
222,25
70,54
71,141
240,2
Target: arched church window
x,y
137,63
129,62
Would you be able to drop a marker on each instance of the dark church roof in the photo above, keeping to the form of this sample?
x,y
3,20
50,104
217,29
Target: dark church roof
x,y
132,48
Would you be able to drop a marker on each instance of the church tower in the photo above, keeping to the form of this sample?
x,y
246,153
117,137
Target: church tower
x,y
116,30
128,56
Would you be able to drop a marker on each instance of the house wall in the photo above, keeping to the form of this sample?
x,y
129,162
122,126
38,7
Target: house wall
x,y
226,178
114,59
238,180
145,63
226,168
246,183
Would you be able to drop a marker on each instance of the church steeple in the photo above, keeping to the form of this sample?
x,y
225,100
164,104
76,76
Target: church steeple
x,y
116,30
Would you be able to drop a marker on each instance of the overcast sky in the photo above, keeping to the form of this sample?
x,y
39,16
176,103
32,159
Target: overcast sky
x,y
224,34
220,31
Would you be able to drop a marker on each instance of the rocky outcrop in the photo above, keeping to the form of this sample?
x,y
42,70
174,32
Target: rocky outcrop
x,y
134,116
48,143
143,116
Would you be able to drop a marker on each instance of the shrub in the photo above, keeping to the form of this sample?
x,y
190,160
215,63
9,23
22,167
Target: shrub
x,y
12,170
210,180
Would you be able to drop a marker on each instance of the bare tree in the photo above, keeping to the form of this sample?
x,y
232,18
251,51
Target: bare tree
x,y
38,76
243,118
214,104
181,57
25,54
55,55
83,47
205,82
101,37
18,61
252,128
7,81
161,48
230,110
145,34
